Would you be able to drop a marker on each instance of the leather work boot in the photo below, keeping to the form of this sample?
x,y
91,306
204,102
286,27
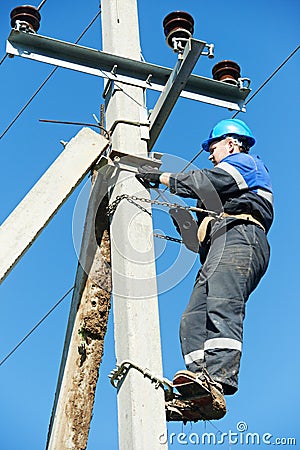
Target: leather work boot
x,y
202,393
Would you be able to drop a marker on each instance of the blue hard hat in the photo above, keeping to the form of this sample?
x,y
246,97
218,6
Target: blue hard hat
x,y
227,127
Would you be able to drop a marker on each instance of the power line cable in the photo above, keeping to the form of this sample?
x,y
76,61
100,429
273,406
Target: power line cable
x,y
268,79
28,103
89,25
41,5
192,160
46,80
3,59
36,326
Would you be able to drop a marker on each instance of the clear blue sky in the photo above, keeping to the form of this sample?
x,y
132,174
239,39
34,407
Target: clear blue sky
x,y
258,35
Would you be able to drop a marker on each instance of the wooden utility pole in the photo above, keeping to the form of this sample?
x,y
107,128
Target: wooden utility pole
x,y
141,407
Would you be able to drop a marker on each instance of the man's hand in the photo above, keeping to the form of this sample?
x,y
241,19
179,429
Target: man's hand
x,y
147,175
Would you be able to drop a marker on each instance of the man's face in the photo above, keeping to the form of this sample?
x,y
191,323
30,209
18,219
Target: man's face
x,y
218,151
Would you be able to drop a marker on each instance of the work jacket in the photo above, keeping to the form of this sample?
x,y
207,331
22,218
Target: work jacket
x,y
239,184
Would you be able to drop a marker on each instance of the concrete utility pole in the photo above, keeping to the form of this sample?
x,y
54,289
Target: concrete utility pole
x,y
141,407
34,212
83,348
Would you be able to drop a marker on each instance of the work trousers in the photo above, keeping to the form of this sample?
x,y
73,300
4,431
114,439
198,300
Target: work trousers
x,y
211,328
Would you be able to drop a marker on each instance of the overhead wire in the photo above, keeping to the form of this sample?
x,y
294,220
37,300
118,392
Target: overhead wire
x,y
161,191
36,326
268,79
3,59
89,25
46,79
41,5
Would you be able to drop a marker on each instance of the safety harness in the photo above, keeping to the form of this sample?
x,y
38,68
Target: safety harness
x,y
203,228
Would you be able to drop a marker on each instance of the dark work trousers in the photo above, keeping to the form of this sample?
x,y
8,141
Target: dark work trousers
x,y
211,328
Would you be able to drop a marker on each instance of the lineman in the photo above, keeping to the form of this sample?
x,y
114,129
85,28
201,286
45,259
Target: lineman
x,y
234,253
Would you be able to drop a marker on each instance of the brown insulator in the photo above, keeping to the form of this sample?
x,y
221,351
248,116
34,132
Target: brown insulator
x,y
227,71
178,24
28,14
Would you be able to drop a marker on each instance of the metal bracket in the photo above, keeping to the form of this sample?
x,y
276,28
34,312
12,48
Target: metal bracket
x,y
210,51
148,79
244,83
125,161
144,124
128,122
110,83
177,45
23,26
107,87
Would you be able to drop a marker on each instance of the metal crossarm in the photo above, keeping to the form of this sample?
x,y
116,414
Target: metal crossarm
x,y
172,90
120,69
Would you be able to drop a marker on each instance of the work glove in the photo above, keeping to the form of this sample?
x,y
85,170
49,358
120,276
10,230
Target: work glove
x,y
187,227
148,176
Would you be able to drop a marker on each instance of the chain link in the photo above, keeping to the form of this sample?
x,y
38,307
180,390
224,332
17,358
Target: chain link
x,y
133,199
167,238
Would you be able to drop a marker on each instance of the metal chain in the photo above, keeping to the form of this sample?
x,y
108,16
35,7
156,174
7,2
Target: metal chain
x,y
133,199
168,238
130,198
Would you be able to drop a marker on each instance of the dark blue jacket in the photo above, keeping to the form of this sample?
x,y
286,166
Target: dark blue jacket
x,y
240,183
